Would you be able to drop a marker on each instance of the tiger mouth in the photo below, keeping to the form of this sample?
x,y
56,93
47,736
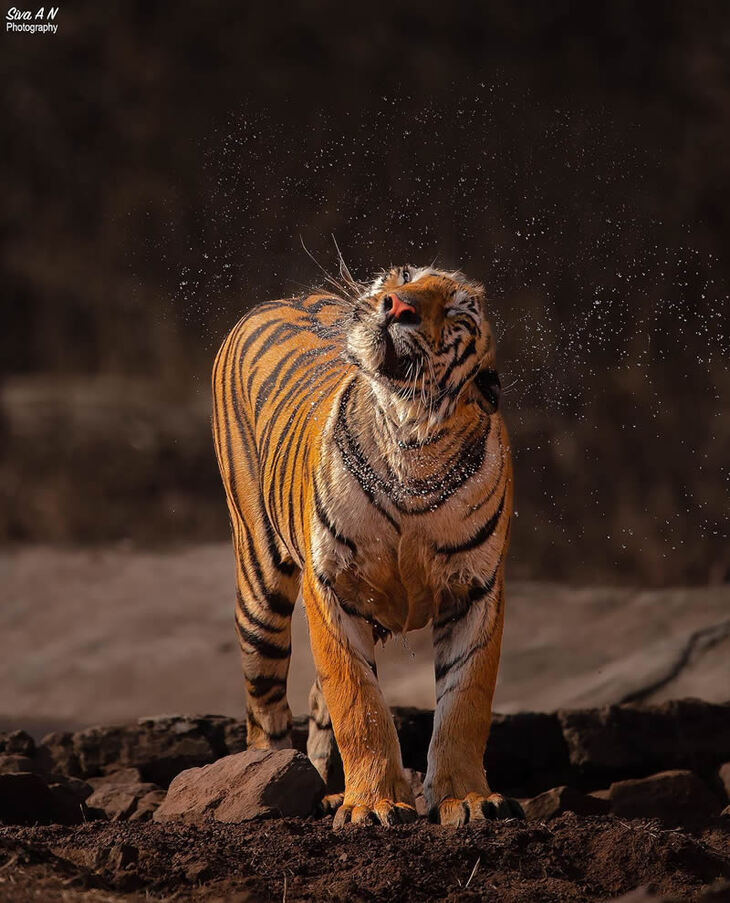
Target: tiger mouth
x,y
397,365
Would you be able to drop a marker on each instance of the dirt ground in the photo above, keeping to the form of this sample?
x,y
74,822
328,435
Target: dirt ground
x,y
571,859
97,636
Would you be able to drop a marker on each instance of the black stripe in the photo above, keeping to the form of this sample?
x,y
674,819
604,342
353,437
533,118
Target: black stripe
x,y
476,594
262,646
322,726
268,383
324,580
304,382
262,684
255,619
279,604
481,536
252,336
354,461
274,736
326,521
247,442
282,332
441,670
472,371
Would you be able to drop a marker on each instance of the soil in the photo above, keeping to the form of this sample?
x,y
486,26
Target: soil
x,y
572,859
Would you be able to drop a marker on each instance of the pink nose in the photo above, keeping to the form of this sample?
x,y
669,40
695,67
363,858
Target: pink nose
x,y
396,307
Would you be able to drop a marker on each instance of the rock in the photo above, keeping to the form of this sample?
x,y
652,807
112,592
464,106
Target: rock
x,y
56,753
118,776
17,743
122,855
725,812
414,727
12,764
120,801
724,776
416,779
234,737
640,895
715,893
159,747
633,740
252,784
148,805
525,751
673,796
25,799
198,871
563,799
69,806
80,789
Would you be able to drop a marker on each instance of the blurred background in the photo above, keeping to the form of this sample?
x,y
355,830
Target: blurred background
x,y
163,166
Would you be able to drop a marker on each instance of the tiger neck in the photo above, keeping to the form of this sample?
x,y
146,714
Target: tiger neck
x,y
411,441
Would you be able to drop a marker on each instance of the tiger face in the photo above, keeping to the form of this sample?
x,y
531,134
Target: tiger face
x,y
422,336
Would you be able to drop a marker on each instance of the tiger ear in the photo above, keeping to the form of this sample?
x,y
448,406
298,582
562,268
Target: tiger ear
x,y
487,381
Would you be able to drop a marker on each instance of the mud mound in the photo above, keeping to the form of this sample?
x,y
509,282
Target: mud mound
x,y
295,859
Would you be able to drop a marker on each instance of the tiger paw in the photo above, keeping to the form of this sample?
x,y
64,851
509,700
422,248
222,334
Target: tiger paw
x,y
383,812
331,803
475,807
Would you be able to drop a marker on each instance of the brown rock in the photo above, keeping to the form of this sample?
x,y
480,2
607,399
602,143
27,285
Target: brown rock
x,y
69,801
25,800
416,779
640,895
563,799
17,743
252,784
122,856
117,776
716,893
56,754
724,775
120,801
635,739
148,805
159,747
12,764
673,796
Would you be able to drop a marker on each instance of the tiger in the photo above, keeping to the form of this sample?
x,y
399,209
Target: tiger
x,y
366,465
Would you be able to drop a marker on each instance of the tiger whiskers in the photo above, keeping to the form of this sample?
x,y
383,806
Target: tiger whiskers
x,y
346,285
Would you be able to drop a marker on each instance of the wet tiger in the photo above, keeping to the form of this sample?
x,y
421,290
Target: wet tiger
x,y
365,464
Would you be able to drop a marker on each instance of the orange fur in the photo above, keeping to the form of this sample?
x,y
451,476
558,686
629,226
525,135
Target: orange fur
x,y
364,461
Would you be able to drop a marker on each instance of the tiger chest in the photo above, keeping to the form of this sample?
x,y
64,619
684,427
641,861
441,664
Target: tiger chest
x,y
394,576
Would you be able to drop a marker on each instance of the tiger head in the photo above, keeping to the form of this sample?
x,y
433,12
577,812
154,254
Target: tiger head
x,y
422,337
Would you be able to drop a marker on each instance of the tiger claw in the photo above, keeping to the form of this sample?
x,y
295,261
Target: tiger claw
x,y
384,812
475,807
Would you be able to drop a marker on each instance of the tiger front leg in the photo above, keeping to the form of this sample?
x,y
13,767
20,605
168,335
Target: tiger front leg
x,y
466,645
376,789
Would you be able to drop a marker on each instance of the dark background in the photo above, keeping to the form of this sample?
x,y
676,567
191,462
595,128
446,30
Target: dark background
x,y
163,164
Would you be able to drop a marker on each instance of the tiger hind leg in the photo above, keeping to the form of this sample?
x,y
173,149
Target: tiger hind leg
x,y
322,747
265,597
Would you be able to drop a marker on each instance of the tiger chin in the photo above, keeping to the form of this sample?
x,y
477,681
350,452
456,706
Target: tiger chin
x,y
366,465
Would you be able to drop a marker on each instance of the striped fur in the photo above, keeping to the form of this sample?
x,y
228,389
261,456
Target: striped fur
x,y
365,463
